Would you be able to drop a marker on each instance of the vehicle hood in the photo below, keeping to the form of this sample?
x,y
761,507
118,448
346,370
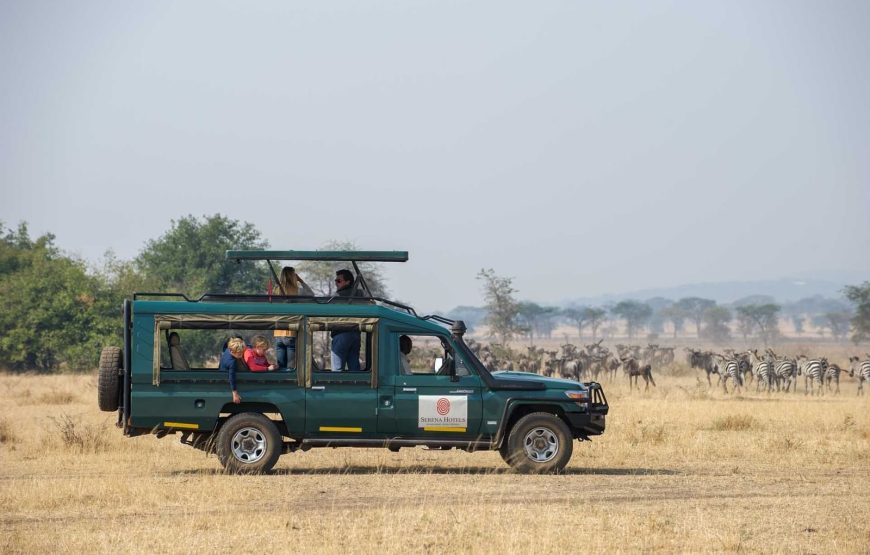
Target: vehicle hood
x,y
549,383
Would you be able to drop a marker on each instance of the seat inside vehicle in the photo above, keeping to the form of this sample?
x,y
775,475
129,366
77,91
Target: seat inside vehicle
x,y
176,357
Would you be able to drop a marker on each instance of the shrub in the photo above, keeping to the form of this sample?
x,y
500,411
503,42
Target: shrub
x,y
735,423
79,437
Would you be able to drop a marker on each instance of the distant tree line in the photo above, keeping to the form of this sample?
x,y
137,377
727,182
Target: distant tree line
x,y
756,317
57,312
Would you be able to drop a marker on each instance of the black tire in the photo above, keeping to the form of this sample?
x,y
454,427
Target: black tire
x,y
549,440
248,443
109,383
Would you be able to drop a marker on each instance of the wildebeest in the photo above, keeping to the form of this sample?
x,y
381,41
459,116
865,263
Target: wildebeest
x,y
633,369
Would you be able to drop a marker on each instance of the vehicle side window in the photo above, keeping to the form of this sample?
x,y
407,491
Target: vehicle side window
x,y
427,355
340,347
201,349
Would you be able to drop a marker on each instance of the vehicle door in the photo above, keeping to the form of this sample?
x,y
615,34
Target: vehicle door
x,y
340,403
429,401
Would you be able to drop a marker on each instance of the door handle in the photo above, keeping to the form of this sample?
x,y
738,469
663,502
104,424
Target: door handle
x,y
409,389
318,387
466,391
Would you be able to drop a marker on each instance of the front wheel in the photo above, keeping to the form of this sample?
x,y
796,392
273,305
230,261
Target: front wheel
x,y
248,443
539,443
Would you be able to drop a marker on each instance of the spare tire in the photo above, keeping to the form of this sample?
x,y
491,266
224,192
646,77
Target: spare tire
x,y
109,385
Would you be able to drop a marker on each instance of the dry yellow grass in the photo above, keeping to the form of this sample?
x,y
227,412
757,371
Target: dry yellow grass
x,y
680,469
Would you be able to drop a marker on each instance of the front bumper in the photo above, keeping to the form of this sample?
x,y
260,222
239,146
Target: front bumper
x,y
591,421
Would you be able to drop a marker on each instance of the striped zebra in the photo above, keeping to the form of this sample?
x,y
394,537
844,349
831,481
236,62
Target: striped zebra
x,y
832,374
813,371
861,368
761,369
728,368
785,370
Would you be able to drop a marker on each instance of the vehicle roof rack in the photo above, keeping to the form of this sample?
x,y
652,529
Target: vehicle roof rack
x,y
327,256
242,298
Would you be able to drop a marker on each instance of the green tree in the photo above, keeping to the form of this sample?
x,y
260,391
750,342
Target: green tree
x,y
502,307
577,316
859,295
595,317
797,321
676,316
694,308
656,322
190,258
53,313
836,322
745,324
765,317
634,313
716,320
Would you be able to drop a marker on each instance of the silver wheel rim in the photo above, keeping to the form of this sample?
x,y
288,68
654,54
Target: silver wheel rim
x,y
541,445
249,445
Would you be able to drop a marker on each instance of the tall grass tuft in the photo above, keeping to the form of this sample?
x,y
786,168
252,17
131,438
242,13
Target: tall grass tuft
x,y
79,437
649,434
6,433
55,397
735,423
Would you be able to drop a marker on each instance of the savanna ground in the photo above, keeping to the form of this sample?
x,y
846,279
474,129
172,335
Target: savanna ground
x,y
679,469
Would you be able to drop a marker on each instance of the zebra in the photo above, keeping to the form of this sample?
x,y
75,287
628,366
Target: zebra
x,y
813,371
761,369
862,368
743,365
784,370
728,368
832,374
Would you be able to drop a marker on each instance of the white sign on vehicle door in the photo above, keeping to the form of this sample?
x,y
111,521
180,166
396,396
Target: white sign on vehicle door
x,y
450,411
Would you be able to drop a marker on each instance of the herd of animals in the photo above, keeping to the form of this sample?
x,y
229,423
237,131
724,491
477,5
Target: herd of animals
x,y
768,370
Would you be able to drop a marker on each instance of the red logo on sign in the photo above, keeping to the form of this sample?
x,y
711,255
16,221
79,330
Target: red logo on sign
x,y
443,406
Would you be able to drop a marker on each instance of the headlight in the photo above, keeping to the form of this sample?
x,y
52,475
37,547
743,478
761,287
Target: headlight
x,y
579,396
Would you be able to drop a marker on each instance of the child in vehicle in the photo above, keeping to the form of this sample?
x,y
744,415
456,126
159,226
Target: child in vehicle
x,y
255,356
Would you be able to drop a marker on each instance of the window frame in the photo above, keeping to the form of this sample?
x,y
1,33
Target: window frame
x,y
249,322
313,324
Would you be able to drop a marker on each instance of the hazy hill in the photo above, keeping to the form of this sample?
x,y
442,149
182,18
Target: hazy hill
x,y
783,290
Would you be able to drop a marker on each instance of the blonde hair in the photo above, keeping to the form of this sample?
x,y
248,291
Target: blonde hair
x,y
289,281
236,345
259,341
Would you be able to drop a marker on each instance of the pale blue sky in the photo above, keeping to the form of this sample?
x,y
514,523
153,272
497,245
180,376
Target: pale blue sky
x,y
582,148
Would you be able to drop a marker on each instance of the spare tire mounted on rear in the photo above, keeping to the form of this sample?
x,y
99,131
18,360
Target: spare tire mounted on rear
x,y
109,387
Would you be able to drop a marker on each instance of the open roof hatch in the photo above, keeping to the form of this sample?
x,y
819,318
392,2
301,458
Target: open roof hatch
x,y
326,256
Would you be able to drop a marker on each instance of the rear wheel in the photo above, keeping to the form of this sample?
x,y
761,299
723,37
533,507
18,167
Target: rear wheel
x,y
539,443
109,383
248,443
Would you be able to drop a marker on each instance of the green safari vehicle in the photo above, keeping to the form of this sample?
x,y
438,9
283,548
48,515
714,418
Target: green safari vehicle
x,y
418,382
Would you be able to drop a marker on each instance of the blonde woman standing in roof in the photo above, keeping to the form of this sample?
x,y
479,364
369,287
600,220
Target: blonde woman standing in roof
x,y
285,340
